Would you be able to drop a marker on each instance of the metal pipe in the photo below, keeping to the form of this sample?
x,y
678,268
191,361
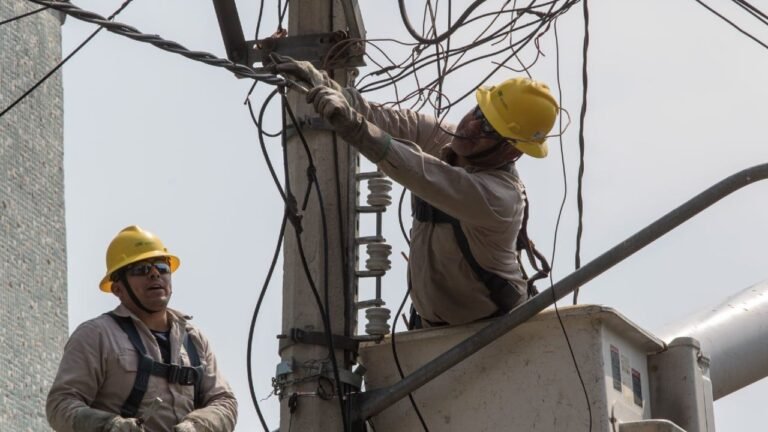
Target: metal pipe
x,y
370,403
733,336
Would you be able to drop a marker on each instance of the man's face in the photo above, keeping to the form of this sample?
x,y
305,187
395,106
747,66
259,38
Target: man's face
x,y
151,283
474,135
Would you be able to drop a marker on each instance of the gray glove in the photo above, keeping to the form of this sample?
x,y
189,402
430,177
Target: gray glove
x,y
93,420
372,142
185,426
303,71
119,424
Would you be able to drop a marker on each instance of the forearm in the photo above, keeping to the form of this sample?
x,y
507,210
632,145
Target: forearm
x,y
404,124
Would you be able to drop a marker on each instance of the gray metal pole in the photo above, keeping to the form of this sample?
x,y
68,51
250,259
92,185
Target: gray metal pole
x,y
305,404
370,403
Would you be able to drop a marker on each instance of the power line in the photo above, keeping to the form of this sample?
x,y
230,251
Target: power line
x,y
62,62
742,31
164,44
10,20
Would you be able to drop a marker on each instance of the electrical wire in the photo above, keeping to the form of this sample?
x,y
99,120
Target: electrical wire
x,y
397,359
24,15
442,37
582,117
164,44
742,31
256,311
557,228
63,61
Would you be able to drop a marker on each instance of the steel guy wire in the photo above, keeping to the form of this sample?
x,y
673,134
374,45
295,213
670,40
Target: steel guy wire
x,y
164,44
24,15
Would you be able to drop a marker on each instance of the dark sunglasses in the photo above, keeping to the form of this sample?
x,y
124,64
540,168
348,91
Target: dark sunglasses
x,y
485,125
144,268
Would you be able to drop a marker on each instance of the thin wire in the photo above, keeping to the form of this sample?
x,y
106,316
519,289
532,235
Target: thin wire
x,y
582,117
397,359
24,15
256,311
63,61
744,32
557,228
459,23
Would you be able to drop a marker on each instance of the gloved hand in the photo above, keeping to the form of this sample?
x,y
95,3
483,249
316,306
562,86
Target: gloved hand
x,y
303,71
93,420
331,104
185,426
120,424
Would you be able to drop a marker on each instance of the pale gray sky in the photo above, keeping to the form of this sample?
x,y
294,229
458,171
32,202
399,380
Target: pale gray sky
x,y
676,103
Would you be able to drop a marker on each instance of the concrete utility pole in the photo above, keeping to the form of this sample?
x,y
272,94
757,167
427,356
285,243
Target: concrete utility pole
x,y
309,368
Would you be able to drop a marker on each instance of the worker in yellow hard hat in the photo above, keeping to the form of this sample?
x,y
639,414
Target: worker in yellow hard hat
x,y
469,204
142,366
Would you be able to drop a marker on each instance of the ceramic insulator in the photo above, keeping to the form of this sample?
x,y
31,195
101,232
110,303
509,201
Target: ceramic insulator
x,y
379,195
378,256
378,321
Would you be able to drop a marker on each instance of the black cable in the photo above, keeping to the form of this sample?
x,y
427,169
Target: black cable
x,y
256,310
397,360
24,15
258,20
62,62
755,12
459,22
744,32
263,144
557,228
400,217
582,117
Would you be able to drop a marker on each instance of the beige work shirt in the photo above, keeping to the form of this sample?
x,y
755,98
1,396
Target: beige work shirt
x,y
98,370
489,204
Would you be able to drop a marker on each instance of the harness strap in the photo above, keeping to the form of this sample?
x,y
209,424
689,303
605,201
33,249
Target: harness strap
x,y
175,374
503,294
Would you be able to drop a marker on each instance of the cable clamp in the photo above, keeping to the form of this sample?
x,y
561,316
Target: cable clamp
x,y
299,336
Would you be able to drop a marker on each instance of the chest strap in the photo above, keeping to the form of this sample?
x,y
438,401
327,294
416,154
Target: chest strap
x,y
174,374
503,294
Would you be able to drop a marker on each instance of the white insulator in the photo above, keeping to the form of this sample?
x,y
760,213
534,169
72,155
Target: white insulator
x,y
379,195
378,321
378,257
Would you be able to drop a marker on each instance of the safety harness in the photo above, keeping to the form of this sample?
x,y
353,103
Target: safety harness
x,y
503,294
174,374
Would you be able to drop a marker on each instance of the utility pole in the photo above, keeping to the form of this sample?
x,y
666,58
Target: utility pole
x,y
309,370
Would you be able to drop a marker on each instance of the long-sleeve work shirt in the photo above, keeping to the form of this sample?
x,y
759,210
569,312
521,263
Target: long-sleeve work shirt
x,y
489,204
99,366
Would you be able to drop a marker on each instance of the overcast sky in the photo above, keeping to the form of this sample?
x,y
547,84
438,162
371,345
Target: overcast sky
x,y
676,103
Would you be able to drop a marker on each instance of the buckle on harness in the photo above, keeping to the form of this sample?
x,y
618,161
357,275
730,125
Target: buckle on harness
x,y
183,375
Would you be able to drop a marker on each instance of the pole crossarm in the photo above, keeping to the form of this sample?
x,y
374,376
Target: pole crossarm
x,y
166,45
373,402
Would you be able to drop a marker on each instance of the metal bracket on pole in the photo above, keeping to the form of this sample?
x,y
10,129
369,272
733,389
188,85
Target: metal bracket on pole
x,y
299,336
335,50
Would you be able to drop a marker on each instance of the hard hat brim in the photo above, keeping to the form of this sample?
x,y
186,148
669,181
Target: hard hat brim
x,y
106,284
538,150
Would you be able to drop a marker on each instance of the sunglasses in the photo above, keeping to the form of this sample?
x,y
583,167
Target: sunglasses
x,y
144,268
485,125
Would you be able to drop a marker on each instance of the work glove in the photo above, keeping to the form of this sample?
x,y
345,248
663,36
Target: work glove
x,y
120,424
185,426
330,104
93,420
303,71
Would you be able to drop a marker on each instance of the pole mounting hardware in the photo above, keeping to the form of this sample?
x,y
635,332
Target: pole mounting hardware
x,y
327,51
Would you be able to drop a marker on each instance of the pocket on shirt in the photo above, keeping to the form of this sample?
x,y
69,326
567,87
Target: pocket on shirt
x,y
128,360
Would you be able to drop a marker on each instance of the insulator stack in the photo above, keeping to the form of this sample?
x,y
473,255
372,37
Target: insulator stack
x,y
378,321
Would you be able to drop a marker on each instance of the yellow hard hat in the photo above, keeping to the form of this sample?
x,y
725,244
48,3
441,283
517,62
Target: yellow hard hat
x,y
520,109
131,245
